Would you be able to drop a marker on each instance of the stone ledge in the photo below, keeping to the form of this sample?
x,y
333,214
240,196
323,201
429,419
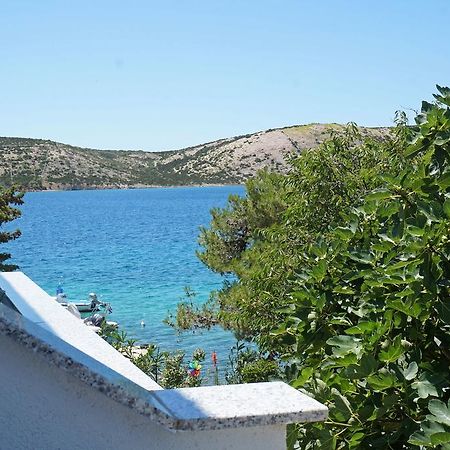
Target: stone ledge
x,y
187,409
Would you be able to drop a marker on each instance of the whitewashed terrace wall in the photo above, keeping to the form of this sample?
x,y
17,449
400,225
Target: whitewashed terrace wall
x,y
62,388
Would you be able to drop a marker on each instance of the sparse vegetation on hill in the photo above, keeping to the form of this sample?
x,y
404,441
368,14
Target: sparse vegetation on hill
x,y
36,164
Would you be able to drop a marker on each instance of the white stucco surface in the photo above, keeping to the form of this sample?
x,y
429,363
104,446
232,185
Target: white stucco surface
x,y
65,387
40,308
43,407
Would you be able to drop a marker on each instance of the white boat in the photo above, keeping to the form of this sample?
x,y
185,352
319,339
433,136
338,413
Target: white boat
x,y
85,306
98,310
94,322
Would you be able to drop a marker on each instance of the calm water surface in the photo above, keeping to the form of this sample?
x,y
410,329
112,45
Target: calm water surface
x,y
134,248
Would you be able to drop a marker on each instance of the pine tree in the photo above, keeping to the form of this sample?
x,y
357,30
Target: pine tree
x,y
9,198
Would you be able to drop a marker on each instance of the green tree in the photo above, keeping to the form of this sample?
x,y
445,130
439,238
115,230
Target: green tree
x,y
354,273
9,198
260,239
368,330
238,226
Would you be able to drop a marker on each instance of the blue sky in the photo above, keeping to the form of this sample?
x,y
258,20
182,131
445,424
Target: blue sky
x,y
169,74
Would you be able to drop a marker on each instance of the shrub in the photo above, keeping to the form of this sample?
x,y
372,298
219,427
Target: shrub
x,y
368,330
246,365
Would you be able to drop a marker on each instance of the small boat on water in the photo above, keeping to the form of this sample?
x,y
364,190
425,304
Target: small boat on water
x,y
97,310
93,304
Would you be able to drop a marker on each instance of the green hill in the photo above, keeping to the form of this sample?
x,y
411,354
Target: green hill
x,y
37,164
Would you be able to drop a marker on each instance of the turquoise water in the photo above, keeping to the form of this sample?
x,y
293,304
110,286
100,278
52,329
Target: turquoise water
x,y
134,248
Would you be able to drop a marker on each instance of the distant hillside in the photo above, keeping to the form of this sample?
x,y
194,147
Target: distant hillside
x,y
38,164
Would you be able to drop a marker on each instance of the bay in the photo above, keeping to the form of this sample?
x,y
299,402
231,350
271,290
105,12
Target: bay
x,y
134,248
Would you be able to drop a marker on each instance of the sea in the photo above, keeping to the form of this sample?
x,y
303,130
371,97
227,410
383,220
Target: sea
x,y
135,249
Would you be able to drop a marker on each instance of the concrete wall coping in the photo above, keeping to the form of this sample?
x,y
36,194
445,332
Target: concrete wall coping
x,y
74,348
40,308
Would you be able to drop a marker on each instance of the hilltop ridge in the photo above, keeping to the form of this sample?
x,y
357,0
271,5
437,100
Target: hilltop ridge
x,y
37,164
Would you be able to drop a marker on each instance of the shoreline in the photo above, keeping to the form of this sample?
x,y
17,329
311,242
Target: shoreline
x,y
136,187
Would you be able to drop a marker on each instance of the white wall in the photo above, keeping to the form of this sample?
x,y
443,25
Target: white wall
x,y
43,407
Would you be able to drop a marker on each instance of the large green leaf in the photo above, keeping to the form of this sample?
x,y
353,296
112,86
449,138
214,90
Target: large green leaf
x,y
344,233
446,207
393,352
425,388
410,308
411,371
355,440
444,180
303,376
343,345
443,309
379,194
415,231
367,366
341,410
319,270
440,438
363,327
423,436
382,381
440,411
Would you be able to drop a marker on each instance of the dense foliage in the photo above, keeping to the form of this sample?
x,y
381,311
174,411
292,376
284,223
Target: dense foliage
x,y
355,273
191,315
9,198
247,365
169,369
259,240
369,329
